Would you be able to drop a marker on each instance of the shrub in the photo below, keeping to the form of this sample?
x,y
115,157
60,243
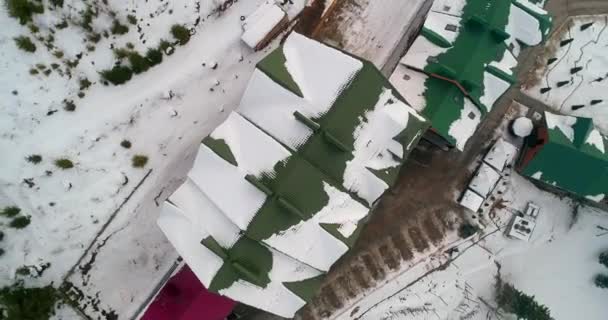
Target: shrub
x,y
180,33
138,63
118,28
84,83
118,75
522,305
466,230
64,163
57,3
20,222
58,54
1,252
34,158
603,259
34,71
154,56
139,161
1,235
69,105
132,19
87,19
10,212
125,144
55,66
94,37
601,281
33,28
121,53
28,303
23,9
25,43
62,25
166,47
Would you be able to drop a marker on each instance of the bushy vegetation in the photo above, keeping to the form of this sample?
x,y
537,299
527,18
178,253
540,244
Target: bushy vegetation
x,y
139,161
603,259
10,212
166,47
118,28
17,302
466,230
64,163
138,63
69,105
132,19
84,83
34,158
125,144
601,281
118,75
20,222
25,43
87,19
23,10
520,304
180,33
154,56
57,3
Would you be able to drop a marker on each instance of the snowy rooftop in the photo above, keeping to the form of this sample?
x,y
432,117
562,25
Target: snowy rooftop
x,y
261,23
467,69
278,192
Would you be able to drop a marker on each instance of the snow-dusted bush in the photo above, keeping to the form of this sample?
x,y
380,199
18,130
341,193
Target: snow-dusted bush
x,y
64,163
23,10
601,281
139,161
20,222
118,75
180,33
25,43
34,158
603,259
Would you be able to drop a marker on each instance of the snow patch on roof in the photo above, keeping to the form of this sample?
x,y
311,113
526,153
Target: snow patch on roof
x,y
484,180
186,238
501,154
270,106
438,23
222,183
471,200
507,63
537,175
596,198
494,87
537,8
341,209
275,297
420,51
254,151
307,62
309,243
450,7
464,128
522,127
523,27
411,85
596,139
563,123
204,214
261,22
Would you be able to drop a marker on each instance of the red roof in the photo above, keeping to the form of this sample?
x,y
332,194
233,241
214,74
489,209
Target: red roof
x,y
184,298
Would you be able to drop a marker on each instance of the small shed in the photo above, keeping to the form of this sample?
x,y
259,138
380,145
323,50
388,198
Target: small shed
x,y
265,23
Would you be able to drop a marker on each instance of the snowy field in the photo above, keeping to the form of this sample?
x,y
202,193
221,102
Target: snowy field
x,y
574,76
51,113
557,267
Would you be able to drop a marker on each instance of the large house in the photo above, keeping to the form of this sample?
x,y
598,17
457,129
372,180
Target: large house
x,y
463,60
568,153
281,189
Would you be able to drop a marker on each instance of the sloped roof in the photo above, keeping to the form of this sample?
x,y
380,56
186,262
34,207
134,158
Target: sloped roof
x,y
466,50
572,158
282,188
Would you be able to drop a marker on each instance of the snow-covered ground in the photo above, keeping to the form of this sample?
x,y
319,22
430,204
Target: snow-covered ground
x,y
562,86
557,267
164,112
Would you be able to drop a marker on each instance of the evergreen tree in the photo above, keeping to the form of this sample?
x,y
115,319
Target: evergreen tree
x,y
604,258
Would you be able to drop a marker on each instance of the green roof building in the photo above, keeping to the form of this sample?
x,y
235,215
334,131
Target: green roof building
x,y
463,61
568,153
281,189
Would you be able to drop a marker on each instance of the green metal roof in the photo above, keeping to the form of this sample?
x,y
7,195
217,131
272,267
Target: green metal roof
x,y
573,158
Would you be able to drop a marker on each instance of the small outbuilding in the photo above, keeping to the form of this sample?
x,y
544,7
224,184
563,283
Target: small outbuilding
x,y
263,25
